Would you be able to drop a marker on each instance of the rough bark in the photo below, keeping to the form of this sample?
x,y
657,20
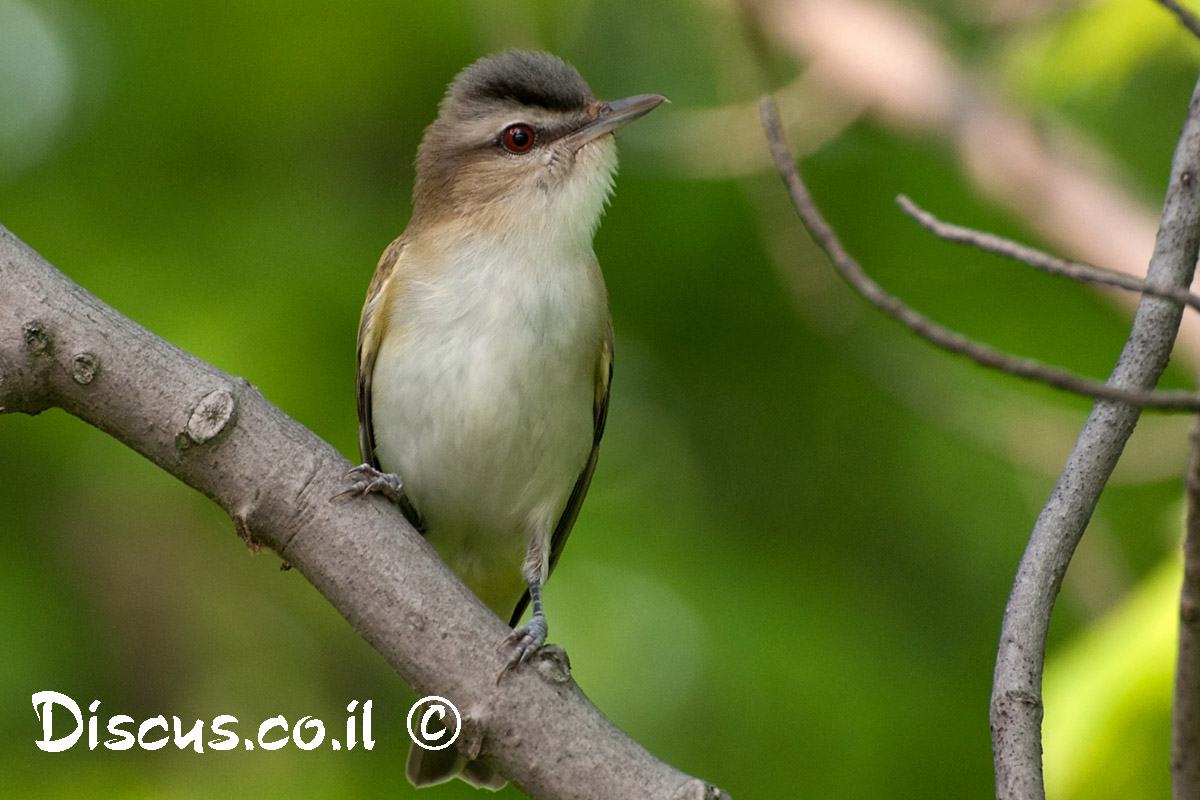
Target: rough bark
x,y
62,347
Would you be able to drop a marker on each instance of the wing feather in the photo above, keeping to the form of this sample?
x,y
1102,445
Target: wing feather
x,y
371,328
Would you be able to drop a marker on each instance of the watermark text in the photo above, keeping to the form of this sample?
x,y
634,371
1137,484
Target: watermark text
x,y
428,723
63,726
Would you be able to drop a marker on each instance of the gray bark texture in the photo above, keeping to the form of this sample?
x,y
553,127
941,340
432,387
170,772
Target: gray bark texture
x,y
62,347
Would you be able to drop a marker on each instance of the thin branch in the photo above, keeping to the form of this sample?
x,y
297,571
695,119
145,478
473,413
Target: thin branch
x,y
1016,708
1185,709
62,347
1185,17
943,337
890,58
1043,262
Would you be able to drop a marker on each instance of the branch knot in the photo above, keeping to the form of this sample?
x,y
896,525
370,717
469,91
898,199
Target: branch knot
x,y
209,418
84,368
37,341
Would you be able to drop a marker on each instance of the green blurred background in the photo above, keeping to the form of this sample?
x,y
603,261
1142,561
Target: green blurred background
x,y
789,575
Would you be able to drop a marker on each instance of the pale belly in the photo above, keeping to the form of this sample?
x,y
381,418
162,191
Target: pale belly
x,y
489,423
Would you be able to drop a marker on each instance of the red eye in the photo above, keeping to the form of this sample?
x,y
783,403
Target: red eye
x,y
518,138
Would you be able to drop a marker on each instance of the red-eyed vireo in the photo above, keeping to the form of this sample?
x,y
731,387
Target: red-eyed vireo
x,y
485,349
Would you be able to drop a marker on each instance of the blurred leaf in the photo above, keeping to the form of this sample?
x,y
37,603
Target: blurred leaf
x,y
1108,698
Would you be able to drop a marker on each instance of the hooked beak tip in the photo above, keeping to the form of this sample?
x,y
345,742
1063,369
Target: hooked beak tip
x,y
616,114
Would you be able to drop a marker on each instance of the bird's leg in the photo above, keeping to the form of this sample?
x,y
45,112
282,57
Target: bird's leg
x,y
526,639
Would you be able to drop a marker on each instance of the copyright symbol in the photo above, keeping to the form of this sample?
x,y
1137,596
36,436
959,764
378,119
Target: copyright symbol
x,y
432,726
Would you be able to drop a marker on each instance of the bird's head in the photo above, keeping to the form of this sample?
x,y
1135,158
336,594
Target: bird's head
x,y
520,140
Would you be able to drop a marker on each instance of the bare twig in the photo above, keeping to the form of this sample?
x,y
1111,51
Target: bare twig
x,y
1044,262
1185,712
1185,17
893,60
1016,709
955,342
62,347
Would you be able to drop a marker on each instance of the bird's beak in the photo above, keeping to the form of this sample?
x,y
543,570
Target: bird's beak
x,y
616,114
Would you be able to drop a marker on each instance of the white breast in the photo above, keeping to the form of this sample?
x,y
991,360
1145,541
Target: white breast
x,y
483,403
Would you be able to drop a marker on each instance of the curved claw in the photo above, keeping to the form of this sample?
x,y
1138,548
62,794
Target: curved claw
x,y
525,640
365,480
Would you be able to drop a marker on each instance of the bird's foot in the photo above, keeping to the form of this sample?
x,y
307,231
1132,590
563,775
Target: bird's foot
x,y
365,479
523,642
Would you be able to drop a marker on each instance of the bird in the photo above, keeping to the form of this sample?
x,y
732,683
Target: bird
x,y
485,346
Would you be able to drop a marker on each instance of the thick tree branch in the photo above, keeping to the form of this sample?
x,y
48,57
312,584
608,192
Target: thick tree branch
x,y
61,346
